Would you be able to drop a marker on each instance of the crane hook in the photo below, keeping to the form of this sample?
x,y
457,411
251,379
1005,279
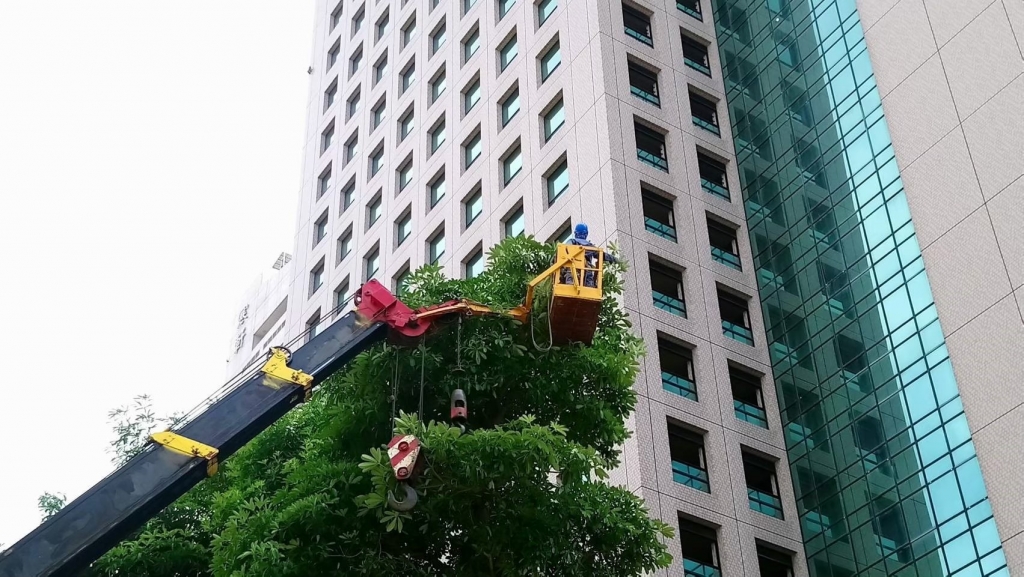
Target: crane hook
x,y
405,504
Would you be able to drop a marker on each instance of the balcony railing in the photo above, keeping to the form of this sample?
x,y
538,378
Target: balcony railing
x,y
644,95
837,307
769,279
764,503
679,386
725,257
782,353
715,189
750,413
695,569
698,66
687,9
652,159
738,333
690,476
668,303
659,228
639,35
713,129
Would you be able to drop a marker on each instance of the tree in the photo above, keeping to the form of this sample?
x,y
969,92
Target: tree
x,y
521,493
50,503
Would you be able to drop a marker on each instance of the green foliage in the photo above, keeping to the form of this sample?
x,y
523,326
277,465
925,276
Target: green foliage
x,y
50,503
520,494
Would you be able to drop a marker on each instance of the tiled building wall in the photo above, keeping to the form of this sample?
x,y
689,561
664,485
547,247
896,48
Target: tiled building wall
x,y
605,177
951,77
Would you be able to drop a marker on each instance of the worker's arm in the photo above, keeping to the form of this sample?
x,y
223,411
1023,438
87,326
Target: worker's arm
x,y
95,522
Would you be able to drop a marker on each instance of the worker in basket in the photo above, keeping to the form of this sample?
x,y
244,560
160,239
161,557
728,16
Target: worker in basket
x,y
579,238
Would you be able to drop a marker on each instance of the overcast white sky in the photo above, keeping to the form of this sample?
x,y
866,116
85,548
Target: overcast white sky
x,y
149,165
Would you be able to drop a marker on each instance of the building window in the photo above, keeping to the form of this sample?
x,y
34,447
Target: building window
x,y
399,280
762,486
324,182
437,136
471,45
676,369
691,7
650,146
403,228
330,94
336,15
316,277
515,224
695,55
510,107
512,164
554,119
374,211
869,437
773,563
689,466
408,76
779,7
659,217
313,326
345,245
352,108
332,54
700,549
382,25
789,53
704,113
437,38
474,207
724,246
355,61
348,196
380,69
735,318
747,397
508,52
712,176
740,73
437,189
435,248
504,6
667,288
734,21
467,5
406,124
404,175
563,234
326,138
341,297
643,84
409,31
320,229
557,181
372,262
471,96
890,530
638,25
357,21
475,264
752,134
472,149
380,113
438,85
351,148
376,161
545,8
550,61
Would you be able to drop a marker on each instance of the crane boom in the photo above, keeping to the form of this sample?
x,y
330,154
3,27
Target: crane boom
x,y
95,522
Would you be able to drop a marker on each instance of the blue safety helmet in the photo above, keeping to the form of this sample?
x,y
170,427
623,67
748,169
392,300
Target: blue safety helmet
x,y
581,231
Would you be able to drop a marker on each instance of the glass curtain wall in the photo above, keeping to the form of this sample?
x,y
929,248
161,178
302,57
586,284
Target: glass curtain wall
x,y
886,477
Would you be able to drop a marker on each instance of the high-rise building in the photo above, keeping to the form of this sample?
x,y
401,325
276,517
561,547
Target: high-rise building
x,y
785,177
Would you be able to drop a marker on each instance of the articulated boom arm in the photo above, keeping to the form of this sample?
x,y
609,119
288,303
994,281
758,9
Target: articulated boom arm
x,y
176,461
